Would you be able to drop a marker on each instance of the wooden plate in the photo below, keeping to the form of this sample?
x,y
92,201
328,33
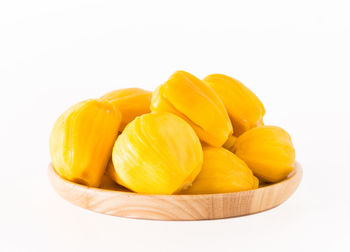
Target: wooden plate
x,y
176,207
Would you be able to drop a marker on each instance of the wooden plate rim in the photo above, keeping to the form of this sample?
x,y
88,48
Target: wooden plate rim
x,y
53,175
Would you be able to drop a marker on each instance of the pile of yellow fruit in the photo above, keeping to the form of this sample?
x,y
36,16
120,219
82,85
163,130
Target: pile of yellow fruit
x,y
189,136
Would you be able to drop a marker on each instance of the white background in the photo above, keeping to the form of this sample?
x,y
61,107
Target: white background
x,y
295,55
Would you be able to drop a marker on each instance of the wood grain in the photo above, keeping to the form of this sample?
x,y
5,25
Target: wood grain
x,y
176,207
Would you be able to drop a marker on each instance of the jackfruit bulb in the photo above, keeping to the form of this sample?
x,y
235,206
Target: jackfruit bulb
x,y
191,99
131,102
82,139
157,153
244,108
268,151
222,172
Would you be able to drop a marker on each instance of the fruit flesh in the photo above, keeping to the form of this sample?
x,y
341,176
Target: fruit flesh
x,y
157,153
222,172
131,102
244,108
188,97
268,151
82,139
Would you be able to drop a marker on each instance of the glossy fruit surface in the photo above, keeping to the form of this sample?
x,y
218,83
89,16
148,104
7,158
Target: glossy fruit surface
x,y
245,109
131,102
157,153
191,99
222,172
268,151
81,141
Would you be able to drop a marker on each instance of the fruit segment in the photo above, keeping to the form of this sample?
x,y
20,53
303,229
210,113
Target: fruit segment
x,y
82,139
230,143
245,109
157,153
268,151
222,172
191,99
109,179
131,102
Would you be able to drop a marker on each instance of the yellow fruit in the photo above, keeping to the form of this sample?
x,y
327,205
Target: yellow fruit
x,y
157,153
191,99
108,183
82,139
110,172
244,108
222,172
131,102
230,143
256,183
268,151
109,180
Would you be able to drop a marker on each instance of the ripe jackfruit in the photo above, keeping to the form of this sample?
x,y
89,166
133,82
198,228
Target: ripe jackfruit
x,y
82,139
268,151
157,153
110,172
131,102
222,172
189,98
244,108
